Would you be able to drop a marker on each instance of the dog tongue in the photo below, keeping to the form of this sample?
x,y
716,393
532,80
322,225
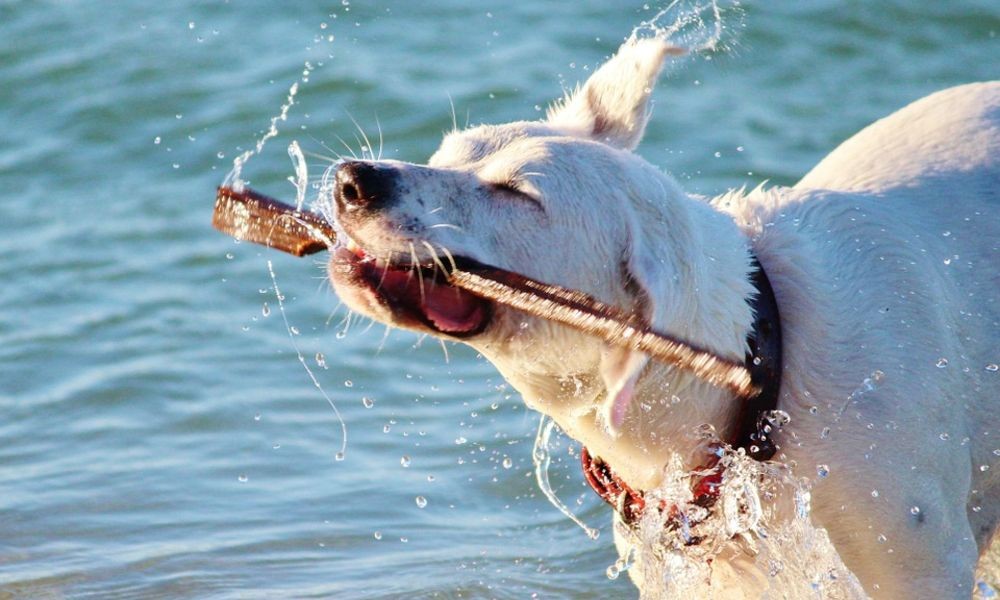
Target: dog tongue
x,y
450,309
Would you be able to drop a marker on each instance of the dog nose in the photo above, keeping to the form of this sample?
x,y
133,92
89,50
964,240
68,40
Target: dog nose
x,y
361,184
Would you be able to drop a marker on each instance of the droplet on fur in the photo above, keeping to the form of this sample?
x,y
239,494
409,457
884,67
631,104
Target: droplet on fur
x,y
242,478
942,363
368,402
993,367
404,461
914,510
984,468
339,456
944,437
321,360
822,470
874,493
881,538
377,535
421,501
507,462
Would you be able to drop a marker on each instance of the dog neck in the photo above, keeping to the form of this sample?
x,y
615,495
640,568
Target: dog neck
x,y
708,301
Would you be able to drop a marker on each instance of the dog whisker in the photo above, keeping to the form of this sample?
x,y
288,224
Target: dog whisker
x,y
434,256
347,146
446,226
415,265
451,259
367,142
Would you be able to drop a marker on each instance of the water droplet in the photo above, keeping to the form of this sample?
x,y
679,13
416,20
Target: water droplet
x,y
613,572
242,478
404,539
739,148
813,410
460,440
275,446
717,154
977,508
377,535
293,330
348,383
367,402
507,462
914,510
993,367
265,310
825,433
405,460
321,360
190,24
874,493
941,363
822,470
386,429
984,468
881,538
421,501
944,437
430,478
156,140
221,155
946,234
229,256
339,456
996,452
947,261
256,417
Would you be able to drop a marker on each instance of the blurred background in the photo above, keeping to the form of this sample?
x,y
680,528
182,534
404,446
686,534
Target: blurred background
x,y
159,436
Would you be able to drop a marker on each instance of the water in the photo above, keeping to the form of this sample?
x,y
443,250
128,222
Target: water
x,y
160,436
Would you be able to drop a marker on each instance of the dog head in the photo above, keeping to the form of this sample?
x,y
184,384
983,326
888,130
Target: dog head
x,y
563,201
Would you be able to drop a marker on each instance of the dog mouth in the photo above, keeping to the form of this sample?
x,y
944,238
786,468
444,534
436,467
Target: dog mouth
x,y
409,294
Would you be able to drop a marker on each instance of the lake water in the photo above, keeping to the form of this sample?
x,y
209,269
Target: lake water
x,y
160,437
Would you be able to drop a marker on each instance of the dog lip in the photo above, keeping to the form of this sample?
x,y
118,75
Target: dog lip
x,y
422,301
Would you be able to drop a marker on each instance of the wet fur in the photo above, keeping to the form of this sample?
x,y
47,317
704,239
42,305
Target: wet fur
x,y
884,259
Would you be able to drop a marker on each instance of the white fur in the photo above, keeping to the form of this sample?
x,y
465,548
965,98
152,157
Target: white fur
x,y
883,259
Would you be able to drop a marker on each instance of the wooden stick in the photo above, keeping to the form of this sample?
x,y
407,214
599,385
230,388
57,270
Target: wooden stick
x,y
253,217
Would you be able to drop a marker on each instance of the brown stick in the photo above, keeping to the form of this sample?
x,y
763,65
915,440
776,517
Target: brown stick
x,y
253,217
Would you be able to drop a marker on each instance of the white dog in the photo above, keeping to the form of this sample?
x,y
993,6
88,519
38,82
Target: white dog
x,y
884,262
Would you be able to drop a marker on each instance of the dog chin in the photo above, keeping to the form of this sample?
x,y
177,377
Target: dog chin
x,y
416,298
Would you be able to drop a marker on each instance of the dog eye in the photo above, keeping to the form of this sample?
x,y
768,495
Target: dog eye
x,y
512,189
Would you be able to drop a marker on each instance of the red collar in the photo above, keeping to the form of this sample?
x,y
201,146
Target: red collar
x,y
756,421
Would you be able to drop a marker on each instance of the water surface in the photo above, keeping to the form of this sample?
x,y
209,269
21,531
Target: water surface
x,y
159,435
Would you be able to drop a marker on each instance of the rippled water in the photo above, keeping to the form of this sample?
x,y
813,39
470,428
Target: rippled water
x,y
160,437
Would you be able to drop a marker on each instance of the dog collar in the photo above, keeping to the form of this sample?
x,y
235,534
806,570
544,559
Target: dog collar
x,y
757,422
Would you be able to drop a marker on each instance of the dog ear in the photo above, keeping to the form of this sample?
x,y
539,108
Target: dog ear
x,y
649,275
613,105
620,369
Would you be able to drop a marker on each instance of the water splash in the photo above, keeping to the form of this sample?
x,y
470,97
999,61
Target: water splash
x,y
301,178
340,455
542,459
868,385
757,538
695,26
234,177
